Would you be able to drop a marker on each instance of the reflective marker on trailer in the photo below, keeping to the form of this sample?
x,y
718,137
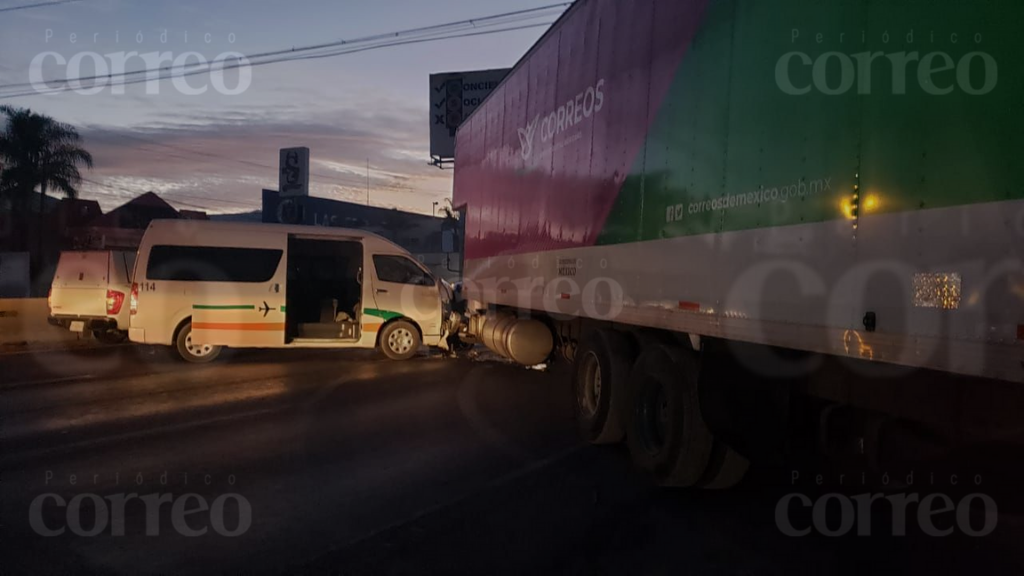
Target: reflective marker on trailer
x,y
689,306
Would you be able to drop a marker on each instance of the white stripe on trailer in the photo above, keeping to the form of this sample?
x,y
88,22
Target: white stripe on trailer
x,y
806,287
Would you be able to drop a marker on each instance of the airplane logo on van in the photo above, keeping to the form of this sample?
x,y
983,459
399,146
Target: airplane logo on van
x,y
265,309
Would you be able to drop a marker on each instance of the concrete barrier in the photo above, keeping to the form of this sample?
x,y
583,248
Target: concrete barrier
x,y
23,321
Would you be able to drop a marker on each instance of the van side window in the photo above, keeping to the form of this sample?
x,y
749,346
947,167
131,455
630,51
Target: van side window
x,y
212,264
400,270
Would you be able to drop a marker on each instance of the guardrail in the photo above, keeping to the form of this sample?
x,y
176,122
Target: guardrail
x,y
23,321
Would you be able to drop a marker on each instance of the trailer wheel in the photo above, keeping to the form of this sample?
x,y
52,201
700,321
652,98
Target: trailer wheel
x,y
399,340
726,468
194,353
600,384
666,433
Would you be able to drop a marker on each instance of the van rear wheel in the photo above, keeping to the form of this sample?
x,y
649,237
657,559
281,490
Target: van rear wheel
x,y
195,353
400,340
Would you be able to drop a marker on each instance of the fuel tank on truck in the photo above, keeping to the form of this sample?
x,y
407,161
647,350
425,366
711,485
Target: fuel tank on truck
x,y
524,340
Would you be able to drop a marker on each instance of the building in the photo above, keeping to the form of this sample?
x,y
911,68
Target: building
x,y
71,224
122,227
431,239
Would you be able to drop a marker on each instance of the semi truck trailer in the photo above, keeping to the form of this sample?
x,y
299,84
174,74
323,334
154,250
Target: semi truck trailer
x,y
739,219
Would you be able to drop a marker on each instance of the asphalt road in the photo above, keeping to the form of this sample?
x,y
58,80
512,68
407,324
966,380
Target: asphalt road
x,y
344,463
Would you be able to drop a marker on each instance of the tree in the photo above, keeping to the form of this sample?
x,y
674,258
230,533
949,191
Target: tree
x,y
38,153
451,216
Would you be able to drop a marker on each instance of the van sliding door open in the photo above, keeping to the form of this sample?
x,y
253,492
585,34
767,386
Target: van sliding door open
x,y
325,292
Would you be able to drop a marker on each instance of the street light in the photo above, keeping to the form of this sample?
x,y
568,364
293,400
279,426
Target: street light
x,y
435,209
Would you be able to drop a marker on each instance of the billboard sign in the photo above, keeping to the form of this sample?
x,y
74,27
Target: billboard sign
x,y
293,178
453,97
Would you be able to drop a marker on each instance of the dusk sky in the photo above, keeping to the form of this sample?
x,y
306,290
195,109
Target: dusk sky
x,y
215,151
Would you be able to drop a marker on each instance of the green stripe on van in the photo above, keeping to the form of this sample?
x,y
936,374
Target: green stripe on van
x,y
233,307
385,314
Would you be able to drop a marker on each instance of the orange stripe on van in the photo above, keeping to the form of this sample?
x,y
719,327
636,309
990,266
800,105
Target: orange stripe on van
x,y
246,326
371,327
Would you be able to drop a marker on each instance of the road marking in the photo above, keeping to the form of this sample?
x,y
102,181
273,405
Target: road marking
x,y
48,381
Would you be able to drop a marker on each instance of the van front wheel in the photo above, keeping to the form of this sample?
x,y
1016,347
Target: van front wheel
x,y
400,340
195,353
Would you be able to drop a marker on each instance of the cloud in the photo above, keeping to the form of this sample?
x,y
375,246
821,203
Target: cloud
x,y
222,160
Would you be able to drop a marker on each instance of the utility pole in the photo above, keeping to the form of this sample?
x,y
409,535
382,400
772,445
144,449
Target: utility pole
x,y
367,181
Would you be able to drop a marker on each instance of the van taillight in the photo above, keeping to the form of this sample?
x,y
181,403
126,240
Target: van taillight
x,y
49,298
115,300
133,302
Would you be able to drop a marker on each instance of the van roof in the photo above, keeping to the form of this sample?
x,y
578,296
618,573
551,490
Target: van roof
x,y
241,227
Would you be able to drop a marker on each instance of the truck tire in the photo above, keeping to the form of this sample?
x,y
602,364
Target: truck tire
x,y
600,385
194,354
400,340
666,434
726,468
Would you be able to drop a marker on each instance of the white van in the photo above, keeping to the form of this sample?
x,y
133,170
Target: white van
x,y
203,285
89,293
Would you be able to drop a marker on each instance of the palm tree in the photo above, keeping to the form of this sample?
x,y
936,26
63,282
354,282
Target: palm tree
x,y
38,152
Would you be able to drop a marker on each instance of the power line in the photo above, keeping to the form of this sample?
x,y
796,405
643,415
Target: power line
x,y
206,68
405,43
38,5
424,31
341,47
